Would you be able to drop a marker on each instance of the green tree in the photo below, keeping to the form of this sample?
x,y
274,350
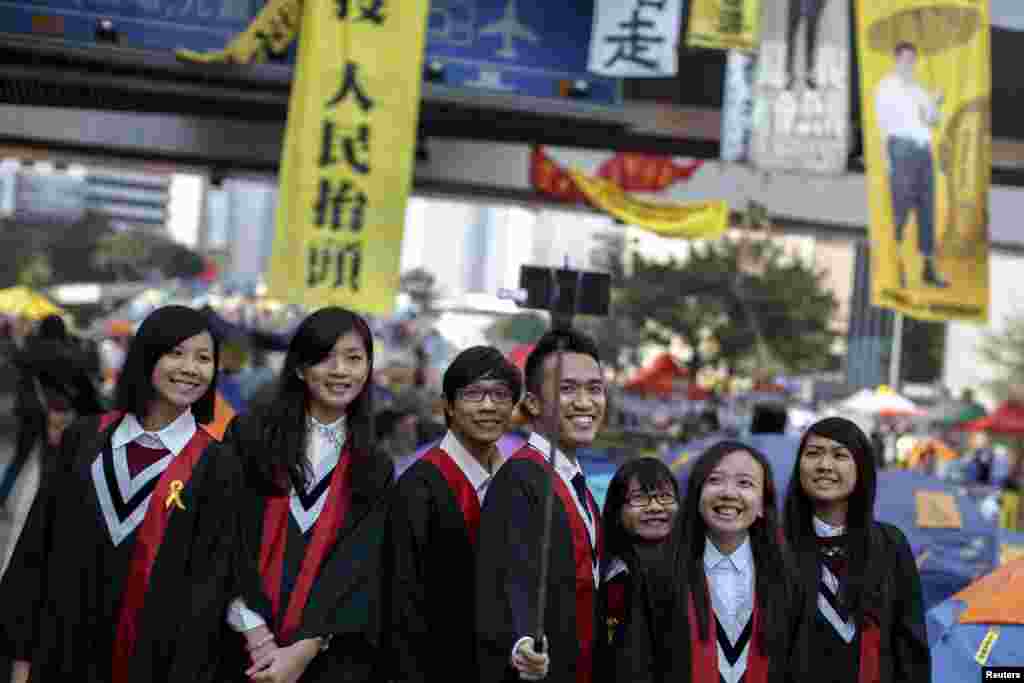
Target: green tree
x,y
521,328
774,317
1003,351
122,253
421,286
37,272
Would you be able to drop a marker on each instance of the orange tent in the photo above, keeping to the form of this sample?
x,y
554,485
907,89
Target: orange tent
x,y
986,598
660,376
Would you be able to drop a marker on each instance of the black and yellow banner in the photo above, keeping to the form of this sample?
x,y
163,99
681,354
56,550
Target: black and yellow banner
x,y
926,89
724,24
346,168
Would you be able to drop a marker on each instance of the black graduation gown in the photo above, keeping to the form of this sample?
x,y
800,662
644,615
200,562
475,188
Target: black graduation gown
x,y
345,600
431,563
903,656
508,562
658,642
62,594
623,650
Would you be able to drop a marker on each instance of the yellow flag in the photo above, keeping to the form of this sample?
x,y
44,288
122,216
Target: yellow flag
x,y
725,24
346,168
693,220
926,87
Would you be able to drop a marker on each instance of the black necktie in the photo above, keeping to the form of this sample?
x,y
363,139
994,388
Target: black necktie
x,y
580,485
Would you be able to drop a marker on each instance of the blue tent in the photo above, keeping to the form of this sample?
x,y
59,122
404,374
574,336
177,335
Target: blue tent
x,y
948,559
954,646
960,650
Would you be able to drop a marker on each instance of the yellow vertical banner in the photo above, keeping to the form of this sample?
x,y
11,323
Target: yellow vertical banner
x,y
926,86
347,162
725,24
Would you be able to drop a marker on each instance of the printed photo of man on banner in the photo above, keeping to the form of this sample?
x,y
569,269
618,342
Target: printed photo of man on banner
x,y
802,92
926,91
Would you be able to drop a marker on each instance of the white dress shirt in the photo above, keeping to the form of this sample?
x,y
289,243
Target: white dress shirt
x,y
825,530
478,476
323,451
904,110
731,583
731,580
174,437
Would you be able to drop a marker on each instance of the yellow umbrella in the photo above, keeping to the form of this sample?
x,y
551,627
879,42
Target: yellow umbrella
x,y
931,29
26,303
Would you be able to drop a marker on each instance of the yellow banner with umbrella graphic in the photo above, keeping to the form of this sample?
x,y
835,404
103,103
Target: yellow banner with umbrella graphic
x,y
346,168
926,89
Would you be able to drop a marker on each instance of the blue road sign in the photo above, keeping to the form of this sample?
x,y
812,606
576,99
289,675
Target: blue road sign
x,y
522,47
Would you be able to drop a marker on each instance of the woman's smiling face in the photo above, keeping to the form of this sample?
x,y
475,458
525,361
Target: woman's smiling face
x,y
732,498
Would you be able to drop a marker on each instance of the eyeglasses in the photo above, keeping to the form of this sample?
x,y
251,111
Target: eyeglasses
x,y
642,500
500,394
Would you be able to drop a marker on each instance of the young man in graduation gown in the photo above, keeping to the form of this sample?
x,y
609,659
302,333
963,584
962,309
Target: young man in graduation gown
x,y
124,569
434,520
569,395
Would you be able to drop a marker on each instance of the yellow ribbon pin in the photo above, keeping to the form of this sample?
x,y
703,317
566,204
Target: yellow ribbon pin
x,y
175,498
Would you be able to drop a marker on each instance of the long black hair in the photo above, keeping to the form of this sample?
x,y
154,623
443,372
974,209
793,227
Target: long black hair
x,y
650,474
160,332
773,584
864,571
283,420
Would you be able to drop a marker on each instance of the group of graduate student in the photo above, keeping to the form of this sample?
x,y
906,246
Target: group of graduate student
x,y
280,550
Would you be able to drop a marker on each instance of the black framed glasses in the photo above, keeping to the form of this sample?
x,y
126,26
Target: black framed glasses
x,y
500,394
642,500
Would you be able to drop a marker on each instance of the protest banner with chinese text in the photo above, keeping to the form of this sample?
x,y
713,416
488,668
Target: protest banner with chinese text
x,y
926,87
738,106
802,92
635,38
346,168
724,24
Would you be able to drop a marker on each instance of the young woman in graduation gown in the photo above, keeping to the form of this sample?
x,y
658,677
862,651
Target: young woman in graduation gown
x,y
864,620
639,511
124,570
734,612
315,514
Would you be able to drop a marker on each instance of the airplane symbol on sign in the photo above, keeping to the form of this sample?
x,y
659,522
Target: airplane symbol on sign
x,y
509,28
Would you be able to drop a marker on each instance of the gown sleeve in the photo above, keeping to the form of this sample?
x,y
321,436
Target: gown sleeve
x,y
508,565
23,589
410,525
910,654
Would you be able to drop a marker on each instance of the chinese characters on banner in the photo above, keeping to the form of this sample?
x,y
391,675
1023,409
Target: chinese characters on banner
x,y
738,106
926,93
724,24
346,167
802,92
635,38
